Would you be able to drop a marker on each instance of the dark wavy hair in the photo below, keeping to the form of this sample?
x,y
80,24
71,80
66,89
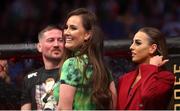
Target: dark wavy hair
x,y
93,47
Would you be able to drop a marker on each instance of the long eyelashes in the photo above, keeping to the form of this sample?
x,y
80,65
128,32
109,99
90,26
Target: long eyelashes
x,y
136,42
71,27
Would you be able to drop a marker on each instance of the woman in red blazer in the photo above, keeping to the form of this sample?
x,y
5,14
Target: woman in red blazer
x,y
150,85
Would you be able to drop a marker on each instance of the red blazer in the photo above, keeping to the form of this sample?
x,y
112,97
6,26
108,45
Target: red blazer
x,y
152,91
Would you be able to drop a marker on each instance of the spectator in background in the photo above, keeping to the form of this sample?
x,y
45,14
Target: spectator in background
x,y
38,88
9,96
150,86
4,76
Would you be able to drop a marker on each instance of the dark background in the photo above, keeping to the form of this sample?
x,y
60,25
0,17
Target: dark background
x,y
21,20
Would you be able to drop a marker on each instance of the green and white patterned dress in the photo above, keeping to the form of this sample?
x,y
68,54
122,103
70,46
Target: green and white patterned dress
x,y
72,74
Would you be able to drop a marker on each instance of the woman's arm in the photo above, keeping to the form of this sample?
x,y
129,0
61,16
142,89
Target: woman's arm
x,y
26,106
114,94
66,97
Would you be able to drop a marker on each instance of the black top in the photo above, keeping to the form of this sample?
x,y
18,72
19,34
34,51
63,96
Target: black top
x,y
34,86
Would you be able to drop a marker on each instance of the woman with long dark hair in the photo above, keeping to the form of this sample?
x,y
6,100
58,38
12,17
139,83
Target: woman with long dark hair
x,y
85,81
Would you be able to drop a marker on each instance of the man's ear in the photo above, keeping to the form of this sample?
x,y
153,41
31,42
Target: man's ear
x,y
153,48
39,48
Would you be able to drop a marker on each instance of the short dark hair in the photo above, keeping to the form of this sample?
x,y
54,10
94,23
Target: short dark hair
x,y
49,27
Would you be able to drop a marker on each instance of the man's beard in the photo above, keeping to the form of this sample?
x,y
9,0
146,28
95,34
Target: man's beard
x,y
53,59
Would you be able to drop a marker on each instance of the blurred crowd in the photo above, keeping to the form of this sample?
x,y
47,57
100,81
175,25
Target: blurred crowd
x,y
21,20
12,73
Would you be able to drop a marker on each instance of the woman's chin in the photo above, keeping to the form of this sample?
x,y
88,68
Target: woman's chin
x,y
134,60
69,47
